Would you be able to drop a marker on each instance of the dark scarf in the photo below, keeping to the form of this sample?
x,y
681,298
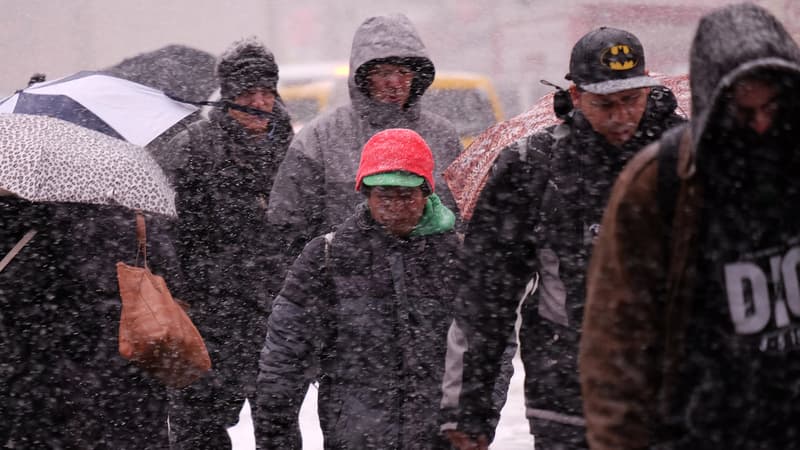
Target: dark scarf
x,y
585,165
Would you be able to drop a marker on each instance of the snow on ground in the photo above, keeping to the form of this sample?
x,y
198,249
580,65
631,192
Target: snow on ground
x,y
512,432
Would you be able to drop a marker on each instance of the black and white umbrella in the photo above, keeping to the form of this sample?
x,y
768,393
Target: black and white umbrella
x,y
43,159
113,106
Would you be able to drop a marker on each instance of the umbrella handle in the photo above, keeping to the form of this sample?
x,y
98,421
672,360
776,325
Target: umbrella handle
x,y
141,239
562,101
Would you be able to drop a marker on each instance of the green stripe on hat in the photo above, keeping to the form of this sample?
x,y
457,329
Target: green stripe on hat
x,y
402,179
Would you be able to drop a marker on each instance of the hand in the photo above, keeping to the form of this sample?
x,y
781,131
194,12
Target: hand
x,y
463,441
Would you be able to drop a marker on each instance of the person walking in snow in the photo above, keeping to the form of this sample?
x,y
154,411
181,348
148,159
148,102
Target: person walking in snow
x,y
693,308
223,169
370,306
63,383
539,213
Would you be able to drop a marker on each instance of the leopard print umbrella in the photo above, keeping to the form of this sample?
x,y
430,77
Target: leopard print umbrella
x,y
43,159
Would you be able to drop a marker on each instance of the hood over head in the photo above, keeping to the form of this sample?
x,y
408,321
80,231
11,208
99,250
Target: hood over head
x,y
245,65
388,39
730,43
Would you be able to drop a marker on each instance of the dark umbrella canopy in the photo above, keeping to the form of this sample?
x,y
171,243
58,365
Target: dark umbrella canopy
x,y
179,70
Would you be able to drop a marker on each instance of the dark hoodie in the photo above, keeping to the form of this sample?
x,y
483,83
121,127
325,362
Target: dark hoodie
x,y
697,348
314,188
740,379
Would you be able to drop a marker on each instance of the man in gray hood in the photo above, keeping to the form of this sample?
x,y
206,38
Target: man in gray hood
x,y
389,72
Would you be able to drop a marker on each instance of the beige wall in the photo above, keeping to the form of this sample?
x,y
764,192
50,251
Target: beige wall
x,y
61,37
517,42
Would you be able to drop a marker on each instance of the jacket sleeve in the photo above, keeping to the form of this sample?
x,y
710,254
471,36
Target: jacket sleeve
x,y
293,332
622,339
296,207
497,261
173,156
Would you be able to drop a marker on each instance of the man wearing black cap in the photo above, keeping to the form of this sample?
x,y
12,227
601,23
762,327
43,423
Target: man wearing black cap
x,y
222,170
539,212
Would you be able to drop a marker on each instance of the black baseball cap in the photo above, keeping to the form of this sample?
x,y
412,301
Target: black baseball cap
x,y
608,60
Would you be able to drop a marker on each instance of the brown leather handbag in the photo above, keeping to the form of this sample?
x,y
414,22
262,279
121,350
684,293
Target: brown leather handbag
x,y
154,330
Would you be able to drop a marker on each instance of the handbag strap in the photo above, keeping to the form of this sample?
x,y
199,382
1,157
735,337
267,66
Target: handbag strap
x,y
141,239
16,249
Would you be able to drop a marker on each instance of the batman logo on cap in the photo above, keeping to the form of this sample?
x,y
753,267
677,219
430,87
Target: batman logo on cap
x,y
619,57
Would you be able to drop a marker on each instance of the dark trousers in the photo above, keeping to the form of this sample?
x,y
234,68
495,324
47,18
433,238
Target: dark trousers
x,y
201,413
549,435
91,410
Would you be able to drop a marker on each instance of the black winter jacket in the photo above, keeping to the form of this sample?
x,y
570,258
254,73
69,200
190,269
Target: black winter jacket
x,y
538,212
375,311
222,177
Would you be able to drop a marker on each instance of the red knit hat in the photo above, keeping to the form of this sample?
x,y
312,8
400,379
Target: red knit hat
x,y
393,150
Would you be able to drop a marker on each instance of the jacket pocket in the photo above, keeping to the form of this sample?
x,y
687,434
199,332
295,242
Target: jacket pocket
x,y
360,426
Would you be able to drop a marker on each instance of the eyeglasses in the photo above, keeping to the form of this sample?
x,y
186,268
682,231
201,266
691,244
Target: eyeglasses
x,y
390,71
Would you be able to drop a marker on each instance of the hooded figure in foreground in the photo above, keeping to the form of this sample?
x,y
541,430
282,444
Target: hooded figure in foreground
x,y
371,305
693,312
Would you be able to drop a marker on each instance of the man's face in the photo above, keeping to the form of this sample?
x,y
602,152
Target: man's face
x,y
398,209
259,98
754,104
614,116
390,83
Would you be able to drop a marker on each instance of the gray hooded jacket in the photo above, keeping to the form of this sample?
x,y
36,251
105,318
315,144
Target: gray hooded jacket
x,y
315,188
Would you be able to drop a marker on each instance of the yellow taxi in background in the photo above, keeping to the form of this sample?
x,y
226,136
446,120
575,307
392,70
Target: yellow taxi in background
x,y
308,89
467,99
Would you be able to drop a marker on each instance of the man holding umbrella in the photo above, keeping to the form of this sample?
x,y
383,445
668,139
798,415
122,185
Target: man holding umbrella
x,y
223,170
539,212
67,196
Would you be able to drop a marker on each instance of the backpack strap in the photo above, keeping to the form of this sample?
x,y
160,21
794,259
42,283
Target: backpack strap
x,y
674,143
323,344
141,239
328,242
668,180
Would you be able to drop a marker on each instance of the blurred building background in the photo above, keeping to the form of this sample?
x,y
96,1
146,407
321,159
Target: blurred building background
x,y
515,42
